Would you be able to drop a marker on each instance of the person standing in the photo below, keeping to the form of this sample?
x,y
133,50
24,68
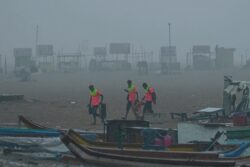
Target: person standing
x,y
132,97
149,98
95,100
245,98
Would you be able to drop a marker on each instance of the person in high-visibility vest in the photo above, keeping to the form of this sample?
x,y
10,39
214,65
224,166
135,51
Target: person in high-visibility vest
x,y
95,100
149,98
132,97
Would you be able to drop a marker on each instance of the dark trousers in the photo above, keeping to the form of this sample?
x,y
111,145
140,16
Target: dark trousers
x,y
132,106
94,113
148,107
128,107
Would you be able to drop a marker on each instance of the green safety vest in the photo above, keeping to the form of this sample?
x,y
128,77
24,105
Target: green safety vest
x,y
93,93
131,88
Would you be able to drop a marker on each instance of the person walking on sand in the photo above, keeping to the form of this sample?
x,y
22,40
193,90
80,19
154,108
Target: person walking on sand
x,y
132,97
95,100
149,98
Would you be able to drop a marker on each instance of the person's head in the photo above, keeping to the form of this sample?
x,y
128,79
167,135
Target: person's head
x,y
129,82
145,85
91,88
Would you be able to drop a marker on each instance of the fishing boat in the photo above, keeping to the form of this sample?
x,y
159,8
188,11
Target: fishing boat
x,y
30,124
39,133
191,147
139,157
33,125
23,132
84,139
175,147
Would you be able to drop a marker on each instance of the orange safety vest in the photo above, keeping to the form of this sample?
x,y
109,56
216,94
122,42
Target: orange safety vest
x,y
148,94
95,97
132,93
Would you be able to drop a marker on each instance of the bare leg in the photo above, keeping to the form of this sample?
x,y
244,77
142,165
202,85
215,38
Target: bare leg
x,y
135,111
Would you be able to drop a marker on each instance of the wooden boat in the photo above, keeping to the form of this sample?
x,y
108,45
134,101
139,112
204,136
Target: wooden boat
x,y
137,157
198,147
176,147
33,125
24,132
30,124
82,139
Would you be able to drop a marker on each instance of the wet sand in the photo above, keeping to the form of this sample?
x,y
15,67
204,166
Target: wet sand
x,y
60,99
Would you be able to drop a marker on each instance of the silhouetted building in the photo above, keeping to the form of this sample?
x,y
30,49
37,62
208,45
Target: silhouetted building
x,y
224,57
23,57
168,54
45,57
142,67
69,62
100,53
168,60
201,57
119,51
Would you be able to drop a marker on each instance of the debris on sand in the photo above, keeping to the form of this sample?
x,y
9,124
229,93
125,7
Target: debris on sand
x,y
10,97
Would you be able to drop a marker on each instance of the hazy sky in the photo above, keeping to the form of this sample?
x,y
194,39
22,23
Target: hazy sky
x,y
68,24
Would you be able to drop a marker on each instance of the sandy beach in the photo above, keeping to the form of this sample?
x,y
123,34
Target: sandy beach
x,y
60,99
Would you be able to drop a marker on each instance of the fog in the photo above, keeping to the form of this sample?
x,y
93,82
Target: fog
x,y
83,24
67,64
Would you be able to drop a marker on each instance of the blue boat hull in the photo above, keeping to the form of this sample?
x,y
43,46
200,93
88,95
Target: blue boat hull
x,y
20,132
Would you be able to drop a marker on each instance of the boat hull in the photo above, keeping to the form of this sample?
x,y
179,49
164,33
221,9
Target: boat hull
x,y
177,147
33,125
238,133
141,158
20,132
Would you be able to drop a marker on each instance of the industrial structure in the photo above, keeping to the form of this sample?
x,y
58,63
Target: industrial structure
x,y
70,62
23,58
224,57
122,56
168,60
201,57
100,53
116,60
24,63
45,58
100,56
